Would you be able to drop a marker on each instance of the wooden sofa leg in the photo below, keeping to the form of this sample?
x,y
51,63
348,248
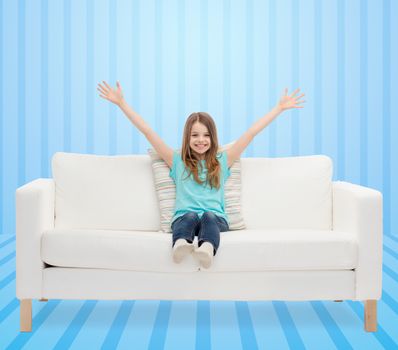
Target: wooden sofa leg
x,y
42,299
25,315
370,315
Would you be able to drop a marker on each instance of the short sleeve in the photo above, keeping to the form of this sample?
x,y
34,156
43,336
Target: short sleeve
x,y
224,164
172,171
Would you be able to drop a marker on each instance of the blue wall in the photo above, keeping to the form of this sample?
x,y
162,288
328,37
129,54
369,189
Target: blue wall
x,y
230,58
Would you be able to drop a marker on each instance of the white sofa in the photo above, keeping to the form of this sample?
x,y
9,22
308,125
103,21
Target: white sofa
x,y
93,232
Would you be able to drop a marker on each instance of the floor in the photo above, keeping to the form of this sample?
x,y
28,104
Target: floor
x,y
92,324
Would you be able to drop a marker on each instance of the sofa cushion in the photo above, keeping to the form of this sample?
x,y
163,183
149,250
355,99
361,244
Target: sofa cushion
x,y
244,250
287,193
110,249
104,192
166,192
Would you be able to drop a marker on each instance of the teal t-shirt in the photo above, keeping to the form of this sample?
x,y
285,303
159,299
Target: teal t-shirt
x,y
191,196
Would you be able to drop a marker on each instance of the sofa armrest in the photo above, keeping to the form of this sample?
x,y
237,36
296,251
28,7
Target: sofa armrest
x,y
34,214
359,210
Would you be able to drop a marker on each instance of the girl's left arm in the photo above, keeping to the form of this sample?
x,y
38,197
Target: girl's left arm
x,y
286,102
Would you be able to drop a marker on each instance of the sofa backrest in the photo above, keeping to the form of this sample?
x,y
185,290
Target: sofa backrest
x,y
118,192
105,192
290,192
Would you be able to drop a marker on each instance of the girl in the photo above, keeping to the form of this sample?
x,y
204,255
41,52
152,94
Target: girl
x,y
199,172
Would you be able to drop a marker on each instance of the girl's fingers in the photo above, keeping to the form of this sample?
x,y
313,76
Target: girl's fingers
x,y
106,84
295,92
285,91
300,102
102,91
102,88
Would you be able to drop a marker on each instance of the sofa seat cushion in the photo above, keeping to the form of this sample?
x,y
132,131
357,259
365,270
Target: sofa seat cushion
x,y
112,249
244,250
277,249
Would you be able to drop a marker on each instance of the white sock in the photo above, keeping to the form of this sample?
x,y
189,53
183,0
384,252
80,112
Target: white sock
x,y
181,249
204,254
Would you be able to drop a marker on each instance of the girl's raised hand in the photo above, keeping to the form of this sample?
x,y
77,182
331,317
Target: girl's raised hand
x,y
288,102
110,94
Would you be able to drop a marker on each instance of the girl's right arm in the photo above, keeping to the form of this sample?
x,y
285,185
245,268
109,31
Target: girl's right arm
x,y
116,96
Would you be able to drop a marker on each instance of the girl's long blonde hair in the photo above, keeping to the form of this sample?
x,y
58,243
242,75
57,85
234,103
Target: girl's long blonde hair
x,y
190,159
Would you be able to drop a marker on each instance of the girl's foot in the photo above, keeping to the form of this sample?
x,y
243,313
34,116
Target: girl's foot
x,y
181,249
204,254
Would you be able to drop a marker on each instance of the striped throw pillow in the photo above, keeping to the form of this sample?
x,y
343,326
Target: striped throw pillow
x,y
166,192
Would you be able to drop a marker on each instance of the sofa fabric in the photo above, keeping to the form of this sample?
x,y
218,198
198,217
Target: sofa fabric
x,y
242,250
287,193
102,284
104,192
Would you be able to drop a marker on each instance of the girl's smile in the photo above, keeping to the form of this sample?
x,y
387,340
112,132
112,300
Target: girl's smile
x,y
201,146
200,138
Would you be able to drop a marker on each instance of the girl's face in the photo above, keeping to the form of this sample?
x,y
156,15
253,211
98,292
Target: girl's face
x,y
200,139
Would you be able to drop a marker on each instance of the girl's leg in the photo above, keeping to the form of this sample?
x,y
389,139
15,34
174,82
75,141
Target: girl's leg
x,y
185,226
210,227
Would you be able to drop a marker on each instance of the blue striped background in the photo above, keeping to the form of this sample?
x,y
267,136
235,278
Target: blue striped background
x,y
229,58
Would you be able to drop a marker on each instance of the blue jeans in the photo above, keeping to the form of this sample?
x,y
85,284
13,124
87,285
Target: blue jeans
x,y
207,228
